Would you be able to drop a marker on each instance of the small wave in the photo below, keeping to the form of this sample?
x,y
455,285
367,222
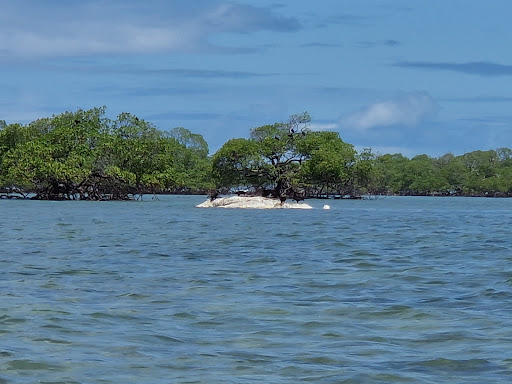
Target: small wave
x,y
5,319
168,339
21,365
470,365
52,341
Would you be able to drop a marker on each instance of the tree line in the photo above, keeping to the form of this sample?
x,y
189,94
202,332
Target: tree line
x,y
477,173
83,155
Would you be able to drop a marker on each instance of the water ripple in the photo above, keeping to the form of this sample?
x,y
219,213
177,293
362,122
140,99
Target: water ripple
x,y
399,290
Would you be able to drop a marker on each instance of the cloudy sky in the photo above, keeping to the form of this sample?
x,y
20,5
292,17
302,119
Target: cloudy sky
x,y
413,77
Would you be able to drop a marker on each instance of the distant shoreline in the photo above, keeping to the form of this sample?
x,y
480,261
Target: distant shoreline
x,y
4,195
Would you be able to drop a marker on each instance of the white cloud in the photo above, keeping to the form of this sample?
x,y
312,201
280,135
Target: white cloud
x,y
92,36
406,110
324,127
32,28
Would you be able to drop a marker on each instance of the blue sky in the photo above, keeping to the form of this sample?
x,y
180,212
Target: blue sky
x,y
399,76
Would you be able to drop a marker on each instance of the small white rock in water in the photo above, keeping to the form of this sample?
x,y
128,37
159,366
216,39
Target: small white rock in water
x,y
256,202
326,207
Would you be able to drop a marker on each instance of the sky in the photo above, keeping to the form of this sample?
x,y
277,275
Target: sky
x,y
398,76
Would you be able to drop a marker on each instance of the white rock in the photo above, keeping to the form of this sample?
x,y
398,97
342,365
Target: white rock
x,y
254,202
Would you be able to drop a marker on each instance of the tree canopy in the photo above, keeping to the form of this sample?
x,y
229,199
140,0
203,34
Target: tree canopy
x,y
477,173
288,160
85,155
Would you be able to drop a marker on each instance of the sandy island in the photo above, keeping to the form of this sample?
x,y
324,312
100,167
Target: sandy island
x,y
254,202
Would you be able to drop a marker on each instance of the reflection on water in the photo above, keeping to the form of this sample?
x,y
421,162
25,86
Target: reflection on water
x,y
399,290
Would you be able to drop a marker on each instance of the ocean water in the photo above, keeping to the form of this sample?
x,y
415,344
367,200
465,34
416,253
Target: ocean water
x,y
397,290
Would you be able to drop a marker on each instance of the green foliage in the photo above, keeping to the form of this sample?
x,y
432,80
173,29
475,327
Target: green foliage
x,y
365,175
418,175
193,160
54,155
84,155
238,163
329,168
288,160
478,173
270,159
390,173
192,141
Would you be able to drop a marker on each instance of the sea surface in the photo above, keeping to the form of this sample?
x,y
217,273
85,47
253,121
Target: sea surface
x,y
396,290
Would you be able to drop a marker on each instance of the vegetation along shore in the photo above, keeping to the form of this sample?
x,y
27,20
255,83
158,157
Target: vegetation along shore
x,y
83,155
